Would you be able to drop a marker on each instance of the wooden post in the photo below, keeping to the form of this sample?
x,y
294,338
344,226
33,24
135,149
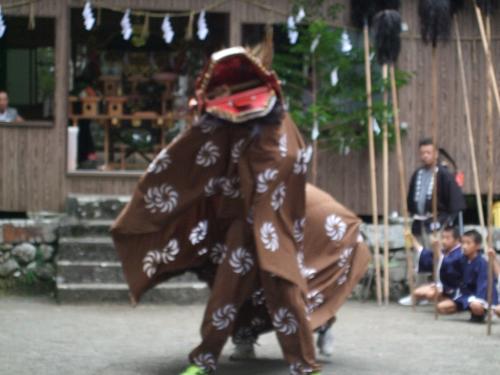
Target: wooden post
x,y
402,183
435,133
373,171
468,121
385,174
491,171
489,60
314,172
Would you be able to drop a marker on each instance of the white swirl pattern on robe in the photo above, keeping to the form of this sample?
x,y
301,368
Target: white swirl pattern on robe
x,y
161,198
285,322
224,316
269,236
208,154
335,227
241,261
199,232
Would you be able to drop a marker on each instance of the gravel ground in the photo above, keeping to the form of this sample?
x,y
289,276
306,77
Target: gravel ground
x,y
38,336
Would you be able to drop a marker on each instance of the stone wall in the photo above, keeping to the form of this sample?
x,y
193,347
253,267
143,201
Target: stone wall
x,y
27,254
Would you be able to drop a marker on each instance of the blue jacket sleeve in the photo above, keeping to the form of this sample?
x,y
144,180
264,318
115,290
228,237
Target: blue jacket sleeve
x,y
425,261
482,284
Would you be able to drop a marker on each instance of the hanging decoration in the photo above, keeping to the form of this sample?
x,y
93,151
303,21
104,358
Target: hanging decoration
x,y
293,33
334,77
346,42
88,16
3,27
126,25
168,31
189,29
300,15
315,43
31,20
202,26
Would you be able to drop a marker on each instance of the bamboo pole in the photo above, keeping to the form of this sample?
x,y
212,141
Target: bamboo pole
x,y
489,127
489,60
402,183
385,176
468,121
371,150
314,172
435,258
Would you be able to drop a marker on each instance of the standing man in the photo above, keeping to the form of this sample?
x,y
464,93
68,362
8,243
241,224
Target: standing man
x,y
8,114
450,199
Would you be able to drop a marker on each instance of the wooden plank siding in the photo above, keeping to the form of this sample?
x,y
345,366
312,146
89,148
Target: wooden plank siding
x,y
33,159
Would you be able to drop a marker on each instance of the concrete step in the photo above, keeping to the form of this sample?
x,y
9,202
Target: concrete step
x,y
182,293
84,228
98,248
100,272
100,207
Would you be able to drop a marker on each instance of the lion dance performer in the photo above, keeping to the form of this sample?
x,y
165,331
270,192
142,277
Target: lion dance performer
x,y
227,200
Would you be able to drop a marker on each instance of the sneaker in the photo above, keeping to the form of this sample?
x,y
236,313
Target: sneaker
x,y
194,370
325,342
406,301
243,352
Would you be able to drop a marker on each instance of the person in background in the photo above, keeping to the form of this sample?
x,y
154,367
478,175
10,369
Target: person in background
x,y
8,114
450,269
473,291
450,199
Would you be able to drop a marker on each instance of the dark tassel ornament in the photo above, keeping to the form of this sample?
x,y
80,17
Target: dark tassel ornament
x,y
435,20
487,6
387,33
388,4
456,6
362,11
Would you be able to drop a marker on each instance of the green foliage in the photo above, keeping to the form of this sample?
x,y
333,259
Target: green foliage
x,y
340,110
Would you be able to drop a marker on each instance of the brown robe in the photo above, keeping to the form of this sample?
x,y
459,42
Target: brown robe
x,y
228,202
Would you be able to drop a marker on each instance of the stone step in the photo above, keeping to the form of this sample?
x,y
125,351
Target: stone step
x,y
85,228
101,272
99,248
182,293
89,207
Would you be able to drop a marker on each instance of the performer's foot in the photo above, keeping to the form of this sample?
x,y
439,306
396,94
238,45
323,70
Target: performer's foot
x,y
194,370
243,352
325,342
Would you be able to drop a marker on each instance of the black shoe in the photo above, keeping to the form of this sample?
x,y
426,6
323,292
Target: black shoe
x,y
477,318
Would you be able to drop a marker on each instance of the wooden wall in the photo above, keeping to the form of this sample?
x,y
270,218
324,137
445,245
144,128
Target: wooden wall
x,y
33,159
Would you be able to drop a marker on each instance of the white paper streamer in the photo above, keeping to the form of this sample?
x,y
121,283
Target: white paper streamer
x,y
88,16
202,26
300,15
168,31
126,25
346,42
315,131
334,77
315,43
3,27
293,34
376,127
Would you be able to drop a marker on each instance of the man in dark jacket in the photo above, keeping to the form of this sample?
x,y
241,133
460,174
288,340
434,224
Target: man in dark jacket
x,y
450,199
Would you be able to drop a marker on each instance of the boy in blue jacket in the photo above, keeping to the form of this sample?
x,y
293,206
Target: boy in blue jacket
x,y
473,290
450,268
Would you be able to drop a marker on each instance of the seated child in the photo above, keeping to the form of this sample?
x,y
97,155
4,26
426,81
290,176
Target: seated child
x,y
450,268
473,290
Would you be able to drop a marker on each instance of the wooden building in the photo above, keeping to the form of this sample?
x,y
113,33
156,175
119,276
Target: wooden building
x,y
33,165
